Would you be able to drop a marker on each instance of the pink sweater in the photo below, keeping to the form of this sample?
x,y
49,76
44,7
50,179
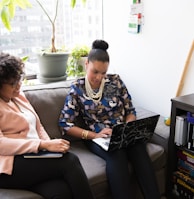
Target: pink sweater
x,y
13,133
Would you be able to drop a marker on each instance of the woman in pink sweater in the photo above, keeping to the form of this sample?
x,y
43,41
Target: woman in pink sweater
x,y
21,132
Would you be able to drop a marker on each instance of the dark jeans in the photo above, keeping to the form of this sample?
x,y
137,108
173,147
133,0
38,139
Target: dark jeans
x,y
53,178
117,170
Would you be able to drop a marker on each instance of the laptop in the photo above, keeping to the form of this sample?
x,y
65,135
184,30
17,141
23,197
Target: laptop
x,y
126,134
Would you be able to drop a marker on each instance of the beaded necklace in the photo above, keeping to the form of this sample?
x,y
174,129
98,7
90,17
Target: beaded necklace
x,y
91,94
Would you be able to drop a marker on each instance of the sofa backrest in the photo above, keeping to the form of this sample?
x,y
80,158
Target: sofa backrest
x,y
48,100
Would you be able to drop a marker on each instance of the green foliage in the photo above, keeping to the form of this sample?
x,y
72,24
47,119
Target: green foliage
x,y
80,51
75,67
7,10
73,2
24,59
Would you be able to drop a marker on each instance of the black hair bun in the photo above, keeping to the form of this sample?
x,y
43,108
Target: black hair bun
x,y
100,44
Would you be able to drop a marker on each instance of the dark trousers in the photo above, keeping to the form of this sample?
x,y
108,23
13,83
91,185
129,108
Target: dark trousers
x,y
53,178
118,175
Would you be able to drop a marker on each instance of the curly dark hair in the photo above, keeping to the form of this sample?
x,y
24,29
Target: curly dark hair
x,y
11,68
99,51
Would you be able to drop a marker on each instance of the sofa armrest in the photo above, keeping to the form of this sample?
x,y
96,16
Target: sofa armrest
x,y
161,134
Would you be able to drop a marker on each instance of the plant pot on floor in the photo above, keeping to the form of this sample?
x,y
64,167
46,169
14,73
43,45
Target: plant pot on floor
x,y
52,66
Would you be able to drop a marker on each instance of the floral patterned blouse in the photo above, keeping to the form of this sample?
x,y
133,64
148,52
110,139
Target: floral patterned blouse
x,y
113,107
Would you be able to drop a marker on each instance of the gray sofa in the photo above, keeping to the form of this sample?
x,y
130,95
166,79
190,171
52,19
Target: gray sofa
x,y
48,99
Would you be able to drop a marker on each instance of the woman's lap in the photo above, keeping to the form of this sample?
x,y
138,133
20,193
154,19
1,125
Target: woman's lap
x,y
53,177
27,172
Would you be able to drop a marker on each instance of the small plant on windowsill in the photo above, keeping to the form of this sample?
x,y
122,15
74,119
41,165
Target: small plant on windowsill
x,y
76,61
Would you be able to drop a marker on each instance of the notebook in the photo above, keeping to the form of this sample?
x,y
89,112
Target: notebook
x,y
126,134
43,154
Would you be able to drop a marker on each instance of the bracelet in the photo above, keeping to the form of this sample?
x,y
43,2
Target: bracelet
x,y
85,134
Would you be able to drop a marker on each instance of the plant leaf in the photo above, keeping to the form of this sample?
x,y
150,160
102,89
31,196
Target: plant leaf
x,y
7,9
11,7
5,18
84,1
73,2
3,3
24,59
23,3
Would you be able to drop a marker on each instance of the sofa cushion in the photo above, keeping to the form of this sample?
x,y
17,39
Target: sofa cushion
x,y
95,166
95,171
18,194
157,155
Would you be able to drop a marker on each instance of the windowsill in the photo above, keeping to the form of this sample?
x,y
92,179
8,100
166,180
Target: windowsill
x,y
32,83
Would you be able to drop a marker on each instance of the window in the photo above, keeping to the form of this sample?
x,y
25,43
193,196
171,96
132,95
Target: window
x,y
31,29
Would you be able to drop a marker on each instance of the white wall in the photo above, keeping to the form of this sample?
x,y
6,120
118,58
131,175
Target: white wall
x,y
151,63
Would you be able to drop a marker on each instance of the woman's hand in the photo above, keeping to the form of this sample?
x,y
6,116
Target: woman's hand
x,y
104,133
55,145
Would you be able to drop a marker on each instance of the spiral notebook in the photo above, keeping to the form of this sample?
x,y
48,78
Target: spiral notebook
x,y
126,134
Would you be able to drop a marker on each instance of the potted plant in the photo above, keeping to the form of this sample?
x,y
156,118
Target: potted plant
x,y
76,61
52,61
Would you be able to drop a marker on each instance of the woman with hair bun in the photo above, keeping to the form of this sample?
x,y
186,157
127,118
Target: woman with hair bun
x,y
103,100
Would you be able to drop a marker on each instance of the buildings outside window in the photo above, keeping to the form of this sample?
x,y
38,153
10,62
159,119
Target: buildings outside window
x,y
31,29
